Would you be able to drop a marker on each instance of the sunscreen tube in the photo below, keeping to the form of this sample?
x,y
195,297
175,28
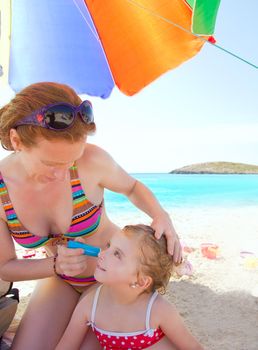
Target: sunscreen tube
x,y
88,249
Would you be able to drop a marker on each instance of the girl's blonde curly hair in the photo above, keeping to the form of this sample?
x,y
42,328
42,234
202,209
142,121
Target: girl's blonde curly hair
x,y
154,260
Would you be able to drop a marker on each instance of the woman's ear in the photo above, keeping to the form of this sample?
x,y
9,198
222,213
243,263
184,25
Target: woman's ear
x,y
15,140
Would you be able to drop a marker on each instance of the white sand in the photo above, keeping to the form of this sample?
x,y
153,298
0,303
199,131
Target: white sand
x,y
219,302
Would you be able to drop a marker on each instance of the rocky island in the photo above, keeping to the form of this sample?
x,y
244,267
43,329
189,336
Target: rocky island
x,y
217,168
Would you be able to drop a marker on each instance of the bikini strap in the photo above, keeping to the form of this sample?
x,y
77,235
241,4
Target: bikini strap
x,y
94,304
4,195
74,172
149,307
75,181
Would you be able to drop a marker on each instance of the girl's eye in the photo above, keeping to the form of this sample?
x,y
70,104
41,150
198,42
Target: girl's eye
x,y
117,254
108,245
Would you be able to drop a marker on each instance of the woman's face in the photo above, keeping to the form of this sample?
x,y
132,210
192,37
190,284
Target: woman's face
x,y
50,161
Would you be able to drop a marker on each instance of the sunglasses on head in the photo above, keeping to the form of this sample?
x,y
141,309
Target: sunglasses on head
x,y
59,116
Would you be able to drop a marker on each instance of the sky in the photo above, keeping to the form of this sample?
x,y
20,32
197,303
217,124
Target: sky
x,y
204,110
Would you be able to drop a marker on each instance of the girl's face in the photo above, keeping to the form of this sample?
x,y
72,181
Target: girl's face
x,y
50,161
118,263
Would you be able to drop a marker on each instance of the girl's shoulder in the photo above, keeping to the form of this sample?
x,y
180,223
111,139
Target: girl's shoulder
x,y
160,307
162,301
87,298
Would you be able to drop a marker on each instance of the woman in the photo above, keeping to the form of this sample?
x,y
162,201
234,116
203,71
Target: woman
x,y
52,189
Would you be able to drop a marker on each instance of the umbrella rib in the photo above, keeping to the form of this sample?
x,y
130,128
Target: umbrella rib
x,y
97,38
188,31
85,19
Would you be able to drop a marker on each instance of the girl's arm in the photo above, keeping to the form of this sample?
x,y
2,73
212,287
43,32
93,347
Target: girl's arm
x,y
173,326
77,327
116,179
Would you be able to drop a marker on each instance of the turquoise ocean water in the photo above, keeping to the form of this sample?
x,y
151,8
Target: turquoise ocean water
x,y
192,191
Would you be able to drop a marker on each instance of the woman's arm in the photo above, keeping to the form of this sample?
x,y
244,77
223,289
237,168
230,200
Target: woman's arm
x,y
174,328
118,180
23,270
13,269
77,327
145,200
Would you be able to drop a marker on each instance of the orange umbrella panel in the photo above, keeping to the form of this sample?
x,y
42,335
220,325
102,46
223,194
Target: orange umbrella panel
x,y
143,39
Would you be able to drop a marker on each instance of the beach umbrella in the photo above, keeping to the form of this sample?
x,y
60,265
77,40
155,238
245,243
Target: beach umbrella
x,y
94,45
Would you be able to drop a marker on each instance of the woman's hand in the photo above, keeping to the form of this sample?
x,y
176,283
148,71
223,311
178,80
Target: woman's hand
x,y
70,262
162,224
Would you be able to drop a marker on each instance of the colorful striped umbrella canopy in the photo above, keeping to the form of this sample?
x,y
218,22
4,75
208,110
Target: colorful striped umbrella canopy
x,y
93,45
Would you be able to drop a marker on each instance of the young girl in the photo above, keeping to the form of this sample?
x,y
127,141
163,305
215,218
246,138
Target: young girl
x,y
125,311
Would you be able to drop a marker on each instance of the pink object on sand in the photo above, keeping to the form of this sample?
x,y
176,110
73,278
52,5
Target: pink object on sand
x,y
29,253
184,269
186,248
246,254
210,250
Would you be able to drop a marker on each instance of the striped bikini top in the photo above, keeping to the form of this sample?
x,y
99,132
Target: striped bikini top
x,y
85,219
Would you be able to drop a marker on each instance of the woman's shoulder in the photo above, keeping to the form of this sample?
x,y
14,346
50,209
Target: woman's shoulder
x,y
95,156
92,150
4,163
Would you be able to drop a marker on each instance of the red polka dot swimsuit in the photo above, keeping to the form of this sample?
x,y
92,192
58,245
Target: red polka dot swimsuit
x,y
134,340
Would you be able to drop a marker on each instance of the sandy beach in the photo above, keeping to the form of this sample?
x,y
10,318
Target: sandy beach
x,y
219,301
